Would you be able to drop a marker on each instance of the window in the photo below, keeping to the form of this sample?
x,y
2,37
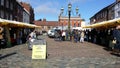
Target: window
x,y
11,6
7,3
7,17
74,21
42,26
11,17
74,25
2,2
78,24
48,27
118,5
2,14
118,13
66,20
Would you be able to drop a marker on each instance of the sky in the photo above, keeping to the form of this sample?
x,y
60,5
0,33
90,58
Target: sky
x,y
50,9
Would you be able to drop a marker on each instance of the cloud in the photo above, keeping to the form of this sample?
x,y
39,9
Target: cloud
x,y
77,1
47,8
27,1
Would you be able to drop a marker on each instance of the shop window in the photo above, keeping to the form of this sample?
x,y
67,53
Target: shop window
x,y
2,2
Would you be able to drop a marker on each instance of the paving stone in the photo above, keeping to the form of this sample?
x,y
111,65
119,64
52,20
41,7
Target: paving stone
x,y
62,55
91,66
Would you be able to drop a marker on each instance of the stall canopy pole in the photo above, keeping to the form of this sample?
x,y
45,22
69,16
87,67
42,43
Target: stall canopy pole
x,y
7,35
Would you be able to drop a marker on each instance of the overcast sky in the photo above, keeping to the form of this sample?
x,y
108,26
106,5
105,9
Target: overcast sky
x,y
50,9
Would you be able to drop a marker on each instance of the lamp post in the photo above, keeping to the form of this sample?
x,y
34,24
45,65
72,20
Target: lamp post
x,y
69,14
62,9
77,9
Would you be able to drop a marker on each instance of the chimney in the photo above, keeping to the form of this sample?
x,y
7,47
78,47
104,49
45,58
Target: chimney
x,y
44,20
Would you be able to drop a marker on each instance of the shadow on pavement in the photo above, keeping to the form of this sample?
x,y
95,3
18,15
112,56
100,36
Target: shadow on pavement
x,y
110,50
107,49
118,55
3,56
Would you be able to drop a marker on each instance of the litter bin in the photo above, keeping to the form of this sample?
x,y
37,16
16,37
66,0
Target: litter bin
x,y
39,49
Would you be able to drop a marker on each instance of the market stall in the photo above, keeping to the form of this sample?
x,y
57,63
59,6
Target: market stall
x,y
105,24
10,23
102,32
14,26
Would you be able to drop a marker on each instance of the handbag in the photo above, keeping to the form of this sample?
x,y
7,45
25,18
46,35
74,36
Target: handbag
x,y
114,41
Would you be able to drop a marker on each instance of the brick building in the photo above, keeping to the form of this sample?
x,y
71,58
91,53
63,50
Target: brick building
x,y
46,25
7,10
19,12
110,12
13,10
103,35
29,8
75,20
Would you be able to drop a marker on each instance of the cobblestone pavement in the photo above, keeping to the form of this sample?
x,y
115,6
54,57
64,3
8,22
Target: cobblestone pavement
x,y
64,54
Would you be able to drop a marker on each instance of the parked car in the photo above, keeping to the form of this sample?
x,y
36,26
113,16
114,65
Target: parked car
x,y
51,33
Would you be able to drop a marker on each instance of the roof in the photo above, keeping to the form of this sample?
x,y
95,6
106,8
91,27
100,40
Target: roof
x,y
105,8
46,23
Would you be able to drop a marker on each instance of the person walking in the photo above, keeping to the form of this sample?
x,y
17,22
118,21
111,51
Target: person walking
x,y
82,37
63,35
76,36
33,34
116,34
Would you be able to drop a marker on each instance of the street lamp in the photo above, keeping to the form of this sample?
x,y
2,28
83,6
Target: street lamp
x,y
77,9
69,14
62,10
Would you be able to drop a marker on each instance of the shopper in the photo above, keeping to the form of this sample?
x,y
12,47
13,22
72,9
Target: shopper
x,y
63,35
82,37
116,34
